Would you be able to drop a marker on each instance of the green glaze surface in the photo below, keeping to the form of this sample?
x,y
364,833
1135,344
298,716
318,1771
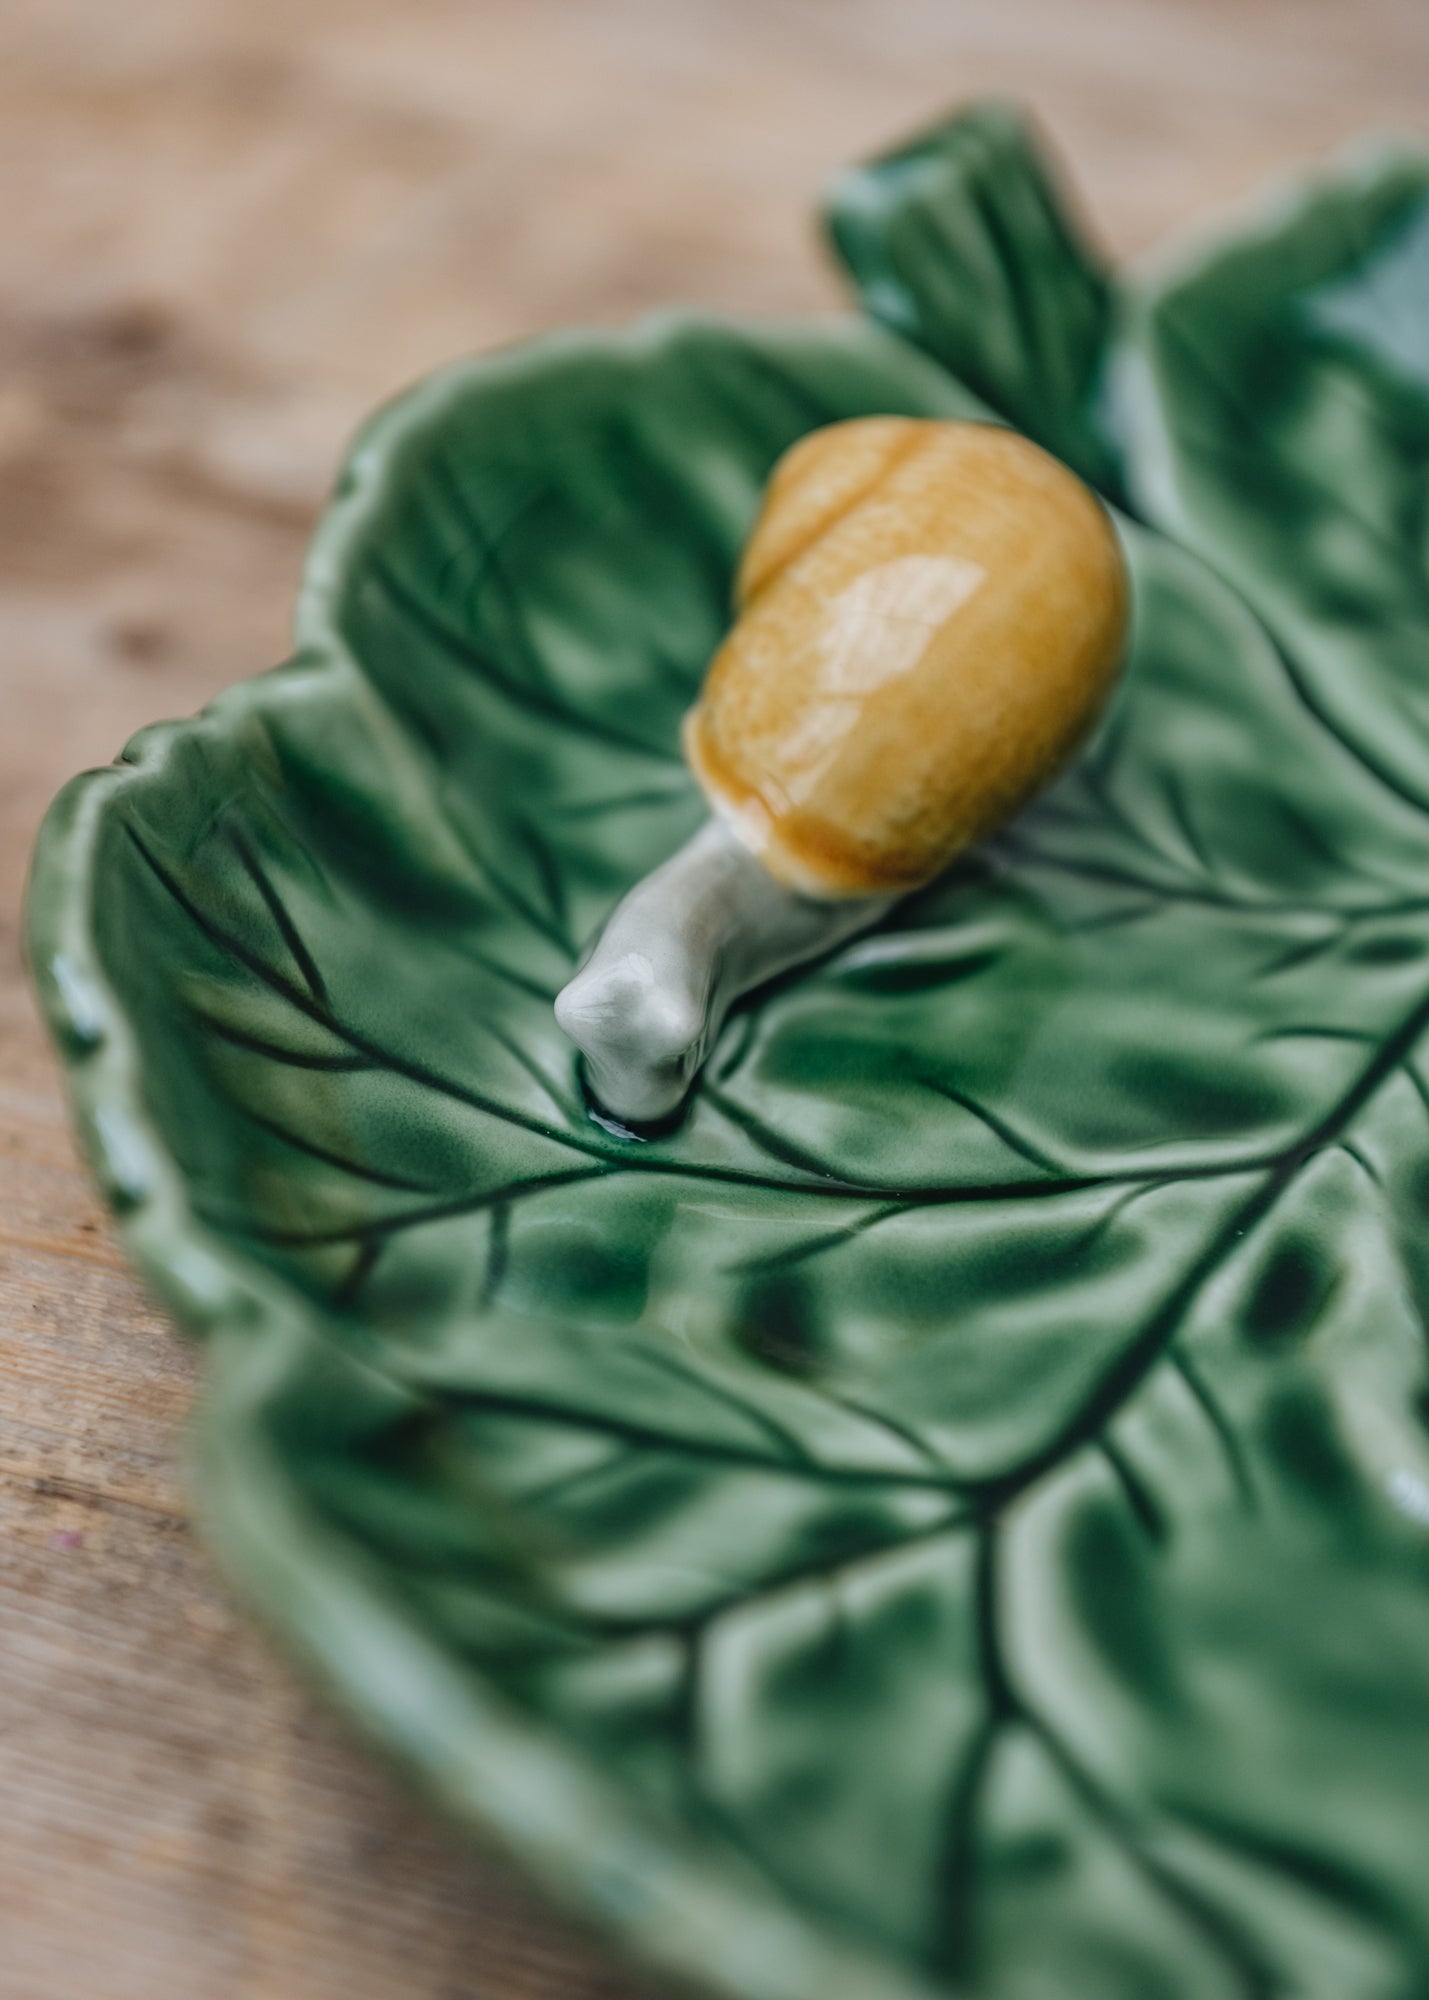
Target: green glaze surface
x,y
953,1518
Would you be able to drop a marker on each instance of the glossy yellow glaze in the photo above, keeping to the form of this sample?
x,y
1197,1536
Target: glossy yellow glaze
x,y
930,616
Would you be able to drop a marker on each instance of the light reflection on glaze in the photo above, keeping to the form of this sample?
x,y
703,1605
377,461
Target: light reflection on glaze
x,y
876,630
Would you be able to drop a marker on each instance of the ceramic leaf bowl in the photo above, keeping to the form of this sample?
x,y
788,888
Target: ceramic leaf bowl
x,y
952,1517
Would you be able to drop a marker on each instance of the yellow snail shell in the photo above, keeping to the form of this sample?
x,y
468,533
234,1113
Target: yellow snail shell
x,y
930,617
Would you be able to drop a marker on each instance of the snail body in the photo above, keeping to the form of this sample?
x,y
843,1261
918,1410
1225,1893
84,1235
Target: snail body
x,y
929,618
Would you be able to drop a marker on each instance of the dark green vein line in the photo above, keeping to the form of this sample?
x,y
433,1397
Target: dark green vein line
x,y
1306,1862
1295,678
1181,814
1353,751
1363,1162
373,1054
955,1944
999,1128
953,1949
1296,955
1220,1424
359,1169
498,1253
1204,1916
240,1038
1312,1031
881,1420
1244,431
648,800
649,1437
278,910
1142,1354
1139,1498
391,1225
362,1267
813,413
776,1145
492,577
822,1574
1110,920
1096,783
690,1378
1017,848
508,975
488,543
1260,1980
727,1061
818,1245
520,694
566,1106
1127,1371
517,902
1110,1216
552,886
1418,1085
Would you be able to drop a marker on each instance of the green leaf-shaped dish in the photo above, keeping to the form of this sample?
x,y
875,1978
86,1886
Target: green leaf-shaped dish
x,y
954,1517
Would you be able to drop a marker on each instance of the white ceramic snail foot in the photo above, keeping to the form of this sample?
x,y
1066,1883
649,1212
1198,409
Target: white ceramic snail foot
x,y
652,992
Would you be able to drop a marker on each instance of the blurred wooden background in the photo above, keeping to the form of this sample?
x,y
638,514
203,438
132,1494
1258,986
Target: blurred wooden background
x,y
230,226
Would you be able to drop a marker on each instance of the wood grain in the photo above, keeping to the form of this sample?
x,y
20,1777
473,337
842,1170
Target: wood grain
x,y
230,227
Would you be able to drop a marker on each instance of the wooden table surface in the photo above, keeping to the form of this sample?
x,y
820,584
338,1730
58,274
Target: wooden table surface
x,y
229,227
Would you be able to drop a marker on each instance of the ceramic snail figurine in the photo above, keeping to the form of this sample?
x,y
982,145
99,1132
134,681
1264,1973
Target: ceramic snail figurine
x,y
930,615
